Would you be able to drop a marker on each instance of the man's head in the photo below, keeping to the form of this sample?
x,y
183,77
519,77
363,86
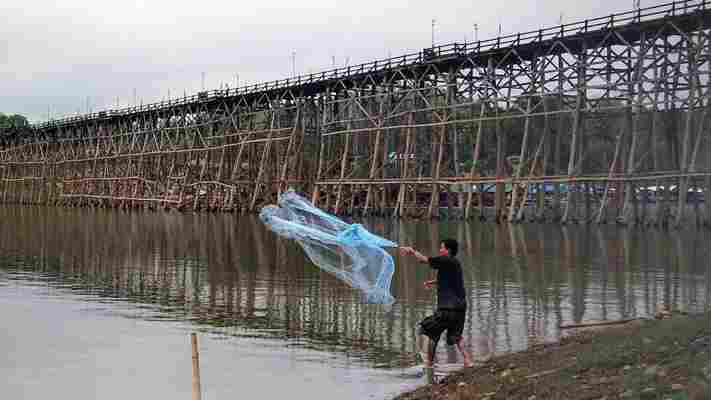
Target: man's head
x,y
448,247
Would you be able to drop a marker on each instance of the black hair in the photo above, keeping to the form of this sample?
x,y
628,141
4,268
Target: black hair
x,y
451,245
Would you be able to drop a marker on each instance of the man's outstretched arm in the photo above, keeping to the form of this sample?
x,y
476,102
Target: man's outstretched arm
x,y
421,258
412,252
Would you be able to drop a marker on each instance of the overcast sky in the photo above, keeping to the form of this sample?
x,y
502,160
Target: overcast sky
x,y
65,54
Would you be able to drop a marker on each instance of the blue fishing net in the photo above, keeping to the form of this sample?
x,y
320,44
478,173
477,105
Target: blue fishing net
x,y
347,251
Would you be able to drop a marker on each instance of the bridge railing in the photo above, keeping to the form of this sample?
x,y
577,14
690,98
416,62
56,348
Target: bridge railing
x,y
436,53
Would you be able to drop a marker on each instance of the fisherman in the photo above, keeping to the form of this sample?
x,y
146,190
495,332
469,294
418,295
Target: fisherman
x,y
451,300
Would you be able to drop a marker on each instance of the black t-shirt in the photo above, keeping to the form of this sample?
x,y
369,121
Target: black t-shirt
x,y
450,283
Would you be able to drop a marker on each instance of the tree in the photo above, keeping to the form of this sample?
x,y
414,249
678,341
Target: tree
x,y
13,121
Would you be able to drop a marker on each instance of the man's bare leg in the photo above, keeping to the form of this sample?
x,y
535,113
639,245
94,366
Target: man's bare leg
x,y
429,354
468,362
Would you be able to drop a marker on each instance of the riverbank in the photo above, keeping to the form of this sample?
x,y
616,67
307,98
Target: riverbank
x,y
644,359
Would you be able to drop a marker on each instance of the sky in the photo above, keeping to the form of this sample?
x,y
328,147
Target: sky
x,y
63,57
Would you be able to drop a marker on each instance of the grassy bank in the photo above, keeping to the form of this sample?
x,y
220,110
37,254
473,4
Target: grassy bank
x,y
650,359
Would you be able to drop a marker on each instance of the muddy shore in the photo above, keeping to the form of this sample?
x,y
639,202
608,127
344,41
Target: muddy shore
x,y
665,358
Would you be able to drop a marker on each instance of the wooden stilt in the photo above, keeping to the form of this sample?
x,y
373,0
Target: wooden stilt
x,y
521,162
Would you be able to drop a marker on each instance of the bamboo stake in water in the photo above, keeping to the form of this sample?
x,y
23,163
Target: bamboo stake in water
x,y
196,368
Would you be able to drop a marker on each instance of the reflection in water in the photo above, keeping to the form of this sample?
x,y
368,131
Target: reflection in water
x,y
229,272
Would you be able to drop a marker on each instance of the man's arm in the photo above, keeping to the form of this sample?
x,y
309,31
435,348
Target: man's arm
x,y
410,251
421,258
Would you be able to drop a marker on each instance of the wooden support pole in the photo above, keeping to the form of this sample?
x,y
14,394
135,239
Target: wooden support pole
x,y
500,162
402,194
283,184
519,166
488,85
475,161
375,158
546,140
557,156
345,155
315,196
531,173
263,164
433,209
236,169
684,163
635,92
139,170
580,93
4,169
605,195
437,158
197,390
707,194
601,323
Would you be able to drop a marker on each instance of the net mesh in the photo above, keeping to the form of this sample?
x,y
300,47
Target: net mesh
x,y
348,251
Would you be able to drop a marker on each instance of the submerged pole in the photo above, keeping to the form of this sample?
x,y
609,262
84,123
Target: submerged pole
x,y
196,367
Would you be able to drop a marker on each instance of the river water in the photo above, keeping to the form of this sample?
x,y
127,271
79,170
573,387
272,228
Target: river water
x,y
101,304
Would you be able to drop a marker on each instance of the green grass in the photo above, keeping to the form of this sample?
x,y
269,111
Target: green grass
x,y
651,361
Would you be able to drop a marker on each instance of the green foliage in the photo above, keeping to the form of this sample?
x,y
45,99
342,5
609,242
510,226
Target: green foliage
x,y
12,121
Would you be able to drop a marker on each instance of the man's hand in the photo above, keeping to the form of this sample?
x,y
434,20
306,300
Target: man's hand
x,y
407,251
429,284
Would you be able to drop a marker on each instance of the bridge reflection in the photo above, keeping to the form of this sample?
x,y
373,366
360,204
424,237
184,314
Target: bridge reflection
x,y
230,275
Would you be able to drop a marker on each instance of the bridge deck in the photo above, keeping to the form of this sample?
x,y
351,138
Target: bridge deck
x,y
629,27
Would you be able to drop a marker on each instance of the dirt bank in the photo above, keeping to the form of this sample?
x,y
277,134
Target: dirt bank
x,y
644,359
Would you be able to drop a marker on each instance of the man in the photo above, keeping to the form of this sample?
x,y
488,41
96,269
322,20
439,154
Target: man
x,y
451,300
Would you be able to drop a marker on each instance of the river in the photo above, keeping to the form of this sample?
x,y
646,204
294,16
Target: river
x,y
101,304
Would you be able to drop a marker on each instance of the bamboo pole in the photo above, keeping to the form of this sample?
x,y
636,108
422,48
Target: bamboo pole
x,y
4,183
375,157
635,92
500,149
169,186
655,137
546,140
95,162
433,209
344,157
531,172
707,194
603,202
557,157
139,170
601,323
262,164
536,179
315,196
197,391
289,150
399,206
218,175
571,159
692,163
455,160
475,160
236,168
522,157
684,164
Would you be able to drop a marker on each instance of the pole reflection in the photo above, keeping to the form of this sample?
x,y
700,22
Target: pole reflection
x,y
231,274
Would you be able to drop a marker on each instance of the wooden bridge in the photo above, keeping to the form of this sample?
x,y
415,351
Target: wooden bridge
x,y
590,121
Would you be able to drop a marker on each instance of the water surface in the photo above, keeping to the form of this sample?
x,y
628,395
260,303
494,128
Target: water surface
x,y
100,304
